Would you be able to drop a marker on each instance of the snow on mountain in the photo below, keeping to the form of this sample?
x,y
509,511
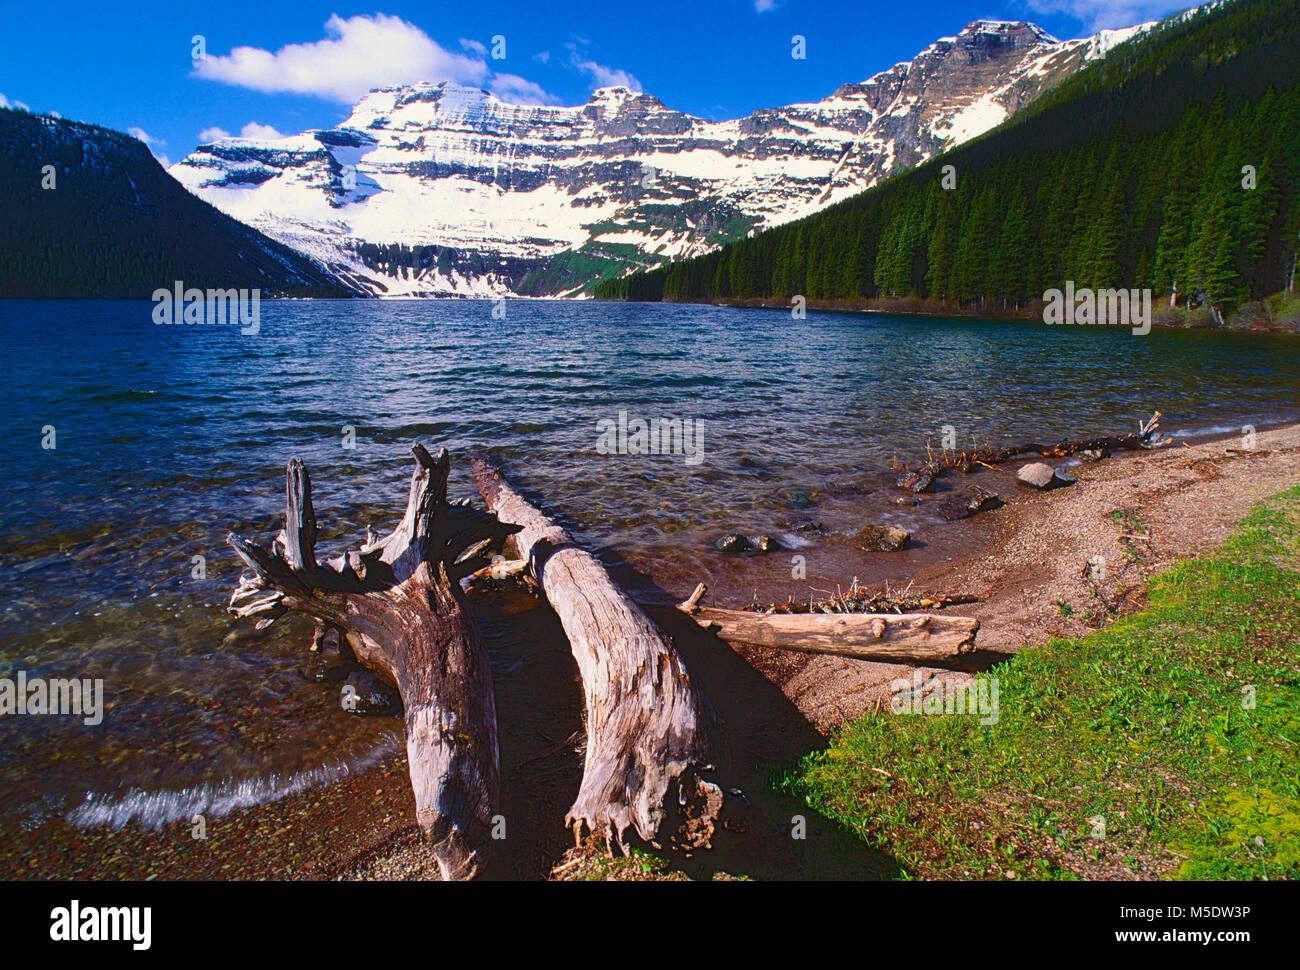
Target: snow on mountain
x,y
445,189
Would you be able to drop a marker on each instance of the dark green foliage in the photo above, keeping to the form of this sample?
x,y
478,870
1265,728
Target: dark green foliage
x,y
572,270
116,225
1128,174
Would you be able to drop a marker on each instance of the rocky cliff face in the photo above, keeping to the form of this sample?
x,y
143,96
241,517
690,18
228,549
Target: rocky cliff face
x,y
430,189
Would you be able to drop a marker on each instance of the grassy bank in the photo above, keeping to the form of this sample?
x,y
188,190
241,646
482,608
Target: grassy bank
x,y
1164,746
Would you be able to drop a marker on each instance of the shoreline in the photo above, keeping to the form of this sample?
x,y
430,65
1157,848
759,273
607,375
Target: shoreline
x,y
1162,317
1179,501
1256,316
1140,512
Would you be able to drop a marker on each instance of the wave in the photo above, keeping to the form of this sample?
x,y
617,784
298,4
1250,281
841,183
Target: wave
x,y
154,809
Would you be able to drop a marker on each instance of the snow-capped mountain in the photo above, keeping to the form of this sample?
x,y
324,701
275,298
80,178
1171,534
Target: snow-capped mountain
x,y
443,189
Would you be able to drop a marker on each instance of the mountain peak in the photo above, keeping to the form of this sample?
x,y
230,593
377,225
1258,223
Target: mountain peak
x,y
1005,27
614,94
450,189
985,25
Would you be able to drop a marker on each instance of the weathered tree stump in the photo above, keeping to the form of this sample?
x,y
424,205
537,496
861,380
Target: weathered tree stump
x,y
644,724
399,609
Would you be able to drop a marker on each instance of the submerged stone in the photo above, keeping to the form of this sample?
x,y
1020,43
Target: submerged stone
x,y
364,693
732,544
798,500
735,544
881,538
973,500
921,480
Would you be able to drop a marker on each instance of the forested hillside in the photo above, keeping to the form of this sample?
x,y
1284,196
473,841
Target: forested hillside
x,y
88,212
1132,173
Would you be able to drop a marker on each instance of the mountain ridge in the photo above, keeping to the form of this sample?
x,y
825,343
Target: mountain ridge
x,y
1105,183
432,189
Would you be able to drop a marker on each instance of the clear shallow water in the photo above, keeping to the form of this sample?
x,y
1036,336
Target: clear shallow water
x,y
168,438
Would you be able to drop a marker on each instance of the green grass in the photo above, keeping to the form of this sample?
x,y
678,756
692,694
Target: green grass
x,y
637,866
593,864
1178,727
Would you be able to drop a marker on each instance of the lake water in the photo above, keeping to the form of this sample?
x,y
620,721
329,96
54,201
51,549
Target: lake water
x,y
168,438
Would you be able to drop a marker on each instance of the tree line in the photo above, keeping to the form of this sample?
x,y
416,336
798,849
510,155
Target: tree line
x,y
1173,164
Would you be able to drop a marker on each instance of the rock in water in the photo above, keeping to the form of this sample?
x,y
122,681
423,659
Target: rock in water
x,y
732,544
798,500
920,480
1039,474
735,544
978,499
973,500
365,693
881,538
1094,454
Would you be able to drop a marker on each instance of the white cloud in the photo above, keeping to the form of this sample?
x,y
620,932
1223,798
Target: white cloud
x,y
602,76
359,53
514,89
1101,14
763,6
152,142
543,56
475,46
145,137
255,130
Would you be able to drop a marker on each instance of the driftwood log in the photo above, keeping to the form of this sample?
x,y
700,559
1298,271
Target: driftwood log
x,y
1144,437
399,610
915,638
899,637
644,722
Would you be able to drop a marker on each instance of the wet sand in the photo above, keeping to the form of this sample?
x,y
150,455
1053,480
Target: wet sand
x,y
1141,511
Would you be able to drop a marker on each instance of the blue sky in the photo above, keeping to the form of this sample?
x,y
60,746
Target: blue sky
x,y
298,65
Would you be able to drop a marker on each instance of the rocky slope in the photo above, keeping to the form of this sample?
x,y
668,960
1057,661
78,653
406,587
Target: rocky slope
x,y
432,189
